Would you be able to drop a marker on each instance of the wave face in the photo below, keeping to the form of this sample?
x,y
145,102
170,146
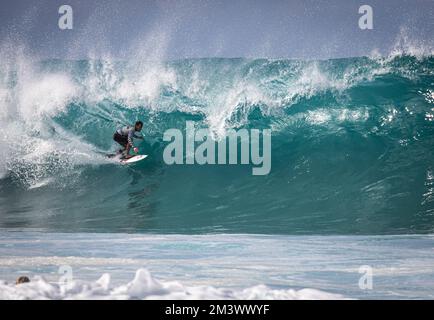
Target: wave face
x,y
352,145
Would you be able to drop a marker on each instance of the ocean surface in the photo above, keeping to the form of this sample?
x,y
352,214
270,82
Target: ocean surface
x,y
351,180
220,266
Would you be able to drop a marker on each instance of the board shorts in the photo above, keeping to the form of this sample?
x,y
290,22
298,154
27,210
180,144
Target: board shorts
x,y
122,140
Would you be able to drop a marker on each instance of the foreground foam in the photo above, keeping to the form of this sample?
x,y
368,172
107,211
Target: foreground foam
x,y
145,286
231,265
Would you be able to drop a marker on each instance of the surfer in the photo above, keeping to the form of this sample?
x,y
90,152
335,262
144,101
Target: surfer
x,y
124,136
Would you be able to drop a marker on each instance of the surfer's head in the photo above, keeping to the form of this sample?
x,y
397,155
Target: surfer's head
x,y
22,279
138,126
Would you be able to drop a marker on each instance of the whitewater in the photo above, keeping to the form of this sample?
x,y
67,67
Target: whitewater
x,y
219,266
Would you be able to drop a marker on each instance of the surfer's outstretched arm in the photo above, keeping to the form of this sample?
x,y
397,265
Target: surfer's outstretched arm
x,y
127,149
130,144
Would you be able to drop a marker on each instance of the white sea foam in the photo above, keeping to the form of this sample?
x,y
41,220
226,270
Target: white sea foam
x,y
145,286
335,116
30,140
220,113
327,117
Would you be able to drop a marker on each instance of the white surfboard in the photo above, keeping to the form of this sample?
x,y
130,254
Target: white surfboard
x,y
133,159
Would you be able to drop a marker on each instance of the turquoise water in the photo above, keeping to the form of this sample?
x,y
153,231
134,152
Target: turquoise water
x,y
352,146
